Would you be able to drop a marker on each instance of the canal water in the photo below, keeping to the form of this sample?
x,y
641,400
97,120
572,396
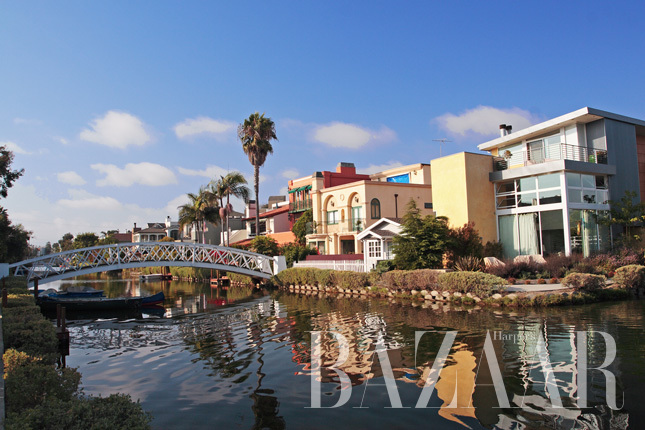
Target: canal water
x,y
240,358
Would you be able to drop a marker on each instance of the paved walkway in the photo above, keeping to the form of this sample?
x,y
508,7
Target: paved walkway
x,y
534,288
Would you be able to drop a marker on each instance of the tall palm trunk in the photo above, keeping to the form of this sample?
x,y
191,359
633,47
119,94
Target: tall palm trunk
x,y
256,169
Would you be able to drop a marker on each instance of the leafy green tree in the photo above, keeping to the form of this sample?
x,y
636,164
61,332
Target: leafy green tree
x,y
233,184
294,252
66,242
626,213
48,248
256,134
85,240
7,176
303,226
108,240
422,241
14,240
201,208
265,245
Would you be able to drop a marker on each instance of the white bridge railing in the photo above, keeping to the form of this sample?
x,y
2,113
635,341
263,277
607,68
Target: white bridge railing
x,y
127,255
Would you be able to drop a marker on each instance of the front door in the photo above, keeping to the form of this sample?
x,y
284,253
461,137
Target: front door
x,y
347,247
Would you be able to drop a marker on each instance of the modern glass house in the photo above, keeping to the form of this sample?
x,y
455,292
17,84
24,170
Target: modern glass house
x,y
553,181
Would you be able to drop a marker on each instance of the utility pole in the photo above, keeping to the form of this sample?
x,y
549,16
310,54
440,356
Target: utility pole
x,y
441,142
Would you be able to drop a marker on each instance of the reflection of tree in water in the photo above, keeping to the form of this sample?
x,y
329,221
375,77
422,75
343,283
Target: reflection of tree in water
x,y
265,406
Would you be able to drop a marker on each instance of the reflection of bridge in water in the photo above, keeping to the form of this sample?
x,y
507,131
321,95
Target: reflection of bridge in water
x,y
104,258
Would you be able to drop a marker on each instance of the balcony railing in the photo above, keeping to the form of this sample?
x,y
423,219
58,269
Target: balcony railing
x,y
345,226
299,205
551,152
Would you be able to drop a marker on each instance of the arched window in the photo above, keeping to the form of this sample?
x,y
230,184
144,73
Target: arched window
x,y
375,209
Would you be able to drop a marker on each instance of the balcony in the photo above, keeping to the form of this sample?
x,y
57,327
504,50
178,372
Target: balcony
x,y
352,225
550,152
299,205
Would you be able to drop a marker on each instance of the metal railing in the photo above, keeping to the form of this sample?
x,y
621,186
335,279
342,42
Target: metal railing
x,y
551,152
348,225
300,205
128,255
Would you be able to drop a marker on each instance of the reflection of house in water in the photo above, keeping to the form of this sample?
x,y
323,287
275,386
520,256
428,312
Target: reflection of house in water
x,y
525,381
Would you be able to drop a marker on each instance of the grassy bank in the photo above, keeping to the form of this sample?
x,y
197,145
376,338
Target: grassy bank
x,y
39,394
461,288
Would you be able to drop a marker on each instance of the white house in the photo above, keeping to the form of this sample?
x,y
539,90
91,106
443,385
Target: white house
x,y
377,241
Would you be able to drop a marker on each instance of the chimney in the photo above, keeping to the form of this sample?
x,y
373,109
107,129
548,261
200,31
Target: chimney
x,y
509,129
502,130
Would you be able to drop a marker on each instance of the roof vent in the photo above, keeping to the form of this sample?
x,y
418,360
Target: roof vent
x,y
502,130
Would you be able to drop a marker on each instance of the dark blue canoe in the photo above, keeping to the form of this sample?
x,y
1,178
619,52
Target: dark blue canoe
x,y
154,300
90,303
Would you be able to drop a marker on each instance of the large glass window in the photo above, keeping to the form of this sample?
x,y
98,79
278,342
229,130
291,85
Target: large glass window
x,y
588,189
532,233
332,217
522,192
587,234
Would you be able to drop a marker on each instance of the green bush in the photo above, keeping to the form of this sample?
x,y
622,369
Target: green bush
x,y
25,329
236,277
480,284
13,359
33,383
632,276
584,281
19,300
350,280
116,412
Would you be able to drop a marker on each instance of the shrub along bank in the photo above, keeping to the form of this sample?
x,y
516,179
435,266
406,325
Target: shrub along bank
x,y
459,287
38,395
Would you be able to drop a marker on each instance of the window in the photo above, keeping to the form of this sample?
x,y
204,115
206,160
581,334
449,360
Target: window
x,y
375,209
588,189
374,249
332,217
529,191
404,179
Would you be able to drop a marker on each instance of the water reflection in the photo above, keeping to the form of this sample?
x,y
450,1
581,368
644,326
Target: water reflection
x,y
249,358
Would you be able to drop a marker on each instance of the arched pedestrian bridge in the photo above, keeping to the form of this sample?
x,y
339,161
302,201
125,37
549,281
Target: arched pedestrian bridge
x,y
83,261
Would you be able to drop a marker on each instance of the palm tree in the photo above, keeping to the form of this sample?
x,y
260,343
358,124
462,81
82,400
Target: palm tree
x,y
200,209
233,184
256,134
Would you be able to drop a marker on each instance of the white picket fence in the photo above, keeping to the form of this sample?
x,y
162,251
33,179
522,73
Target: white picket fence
x,y
354,265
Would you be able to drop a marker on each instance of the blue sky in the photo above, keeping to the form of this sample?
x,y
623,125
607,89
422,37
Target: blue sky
x,y
117,109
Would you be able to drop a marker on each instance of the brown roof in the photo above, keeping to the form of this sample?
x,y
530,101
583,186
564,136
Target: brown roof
x,y
270,213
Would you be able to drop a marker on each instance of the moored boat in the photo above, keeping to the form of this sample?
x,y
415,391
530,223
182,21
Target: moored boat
x,y
154,300
90,303
154,277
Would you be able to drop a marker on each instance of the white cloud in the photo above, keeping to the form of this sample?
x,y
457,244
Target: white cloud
x,y
61,140
71,178
79,212
485,120
14,147
27,121
141,173
290,174
372,168
350,136
191,127
117,130
210,172
81,199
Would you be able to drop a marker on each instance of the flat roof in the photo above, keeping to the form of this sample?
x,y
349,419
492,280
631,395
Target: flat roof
x,y
584,115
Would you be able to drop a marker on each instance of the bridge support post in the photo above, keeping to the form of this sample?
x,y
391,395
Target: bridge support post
x,y
4,270
279,264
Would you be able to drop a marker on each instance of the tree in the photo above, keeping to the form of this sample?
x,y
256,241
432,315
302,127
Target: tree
x,y
201,208
303,226
233,184
422,241
464,241
85,240
626,214
66,243
265,245
256,134
14,240
7,176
